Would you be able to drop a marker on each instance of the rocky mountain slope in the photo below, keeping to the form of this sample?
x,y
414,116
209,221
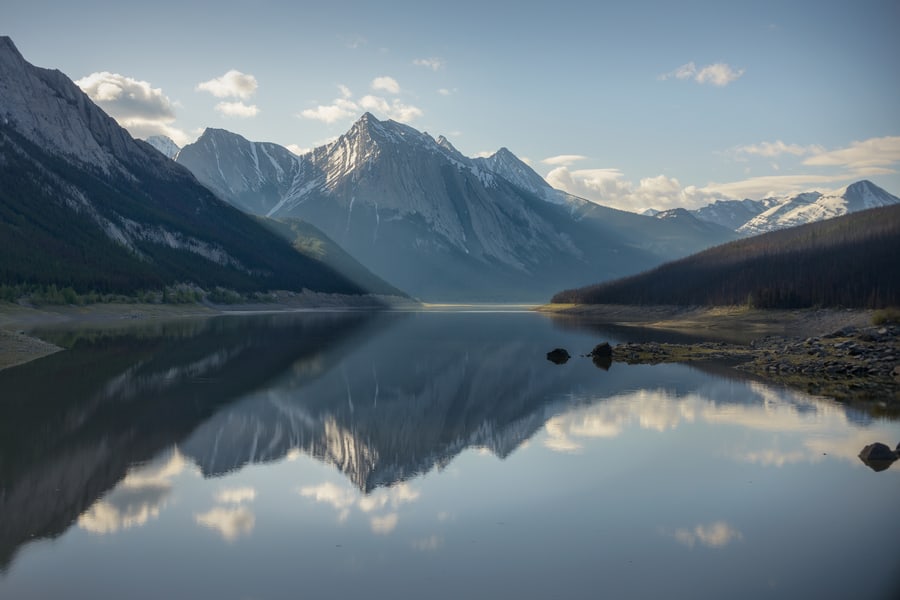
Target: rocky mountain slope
x,y
440,225
84,205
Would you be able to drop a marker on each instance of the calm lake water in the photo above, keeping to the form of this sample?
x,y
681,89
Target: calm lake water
x,y
425,455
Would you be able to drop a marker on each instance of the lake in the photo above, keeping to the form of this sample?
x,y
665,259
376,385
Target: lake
x,y
433,454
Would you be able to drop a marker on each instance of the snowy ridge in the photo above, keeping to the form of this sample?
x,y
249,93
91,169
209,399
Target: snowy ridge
x,y
809,207
164,144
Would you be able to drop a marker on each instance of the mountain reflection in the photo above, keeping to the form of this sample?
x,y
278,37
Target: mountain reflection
x,y
383,398
73,424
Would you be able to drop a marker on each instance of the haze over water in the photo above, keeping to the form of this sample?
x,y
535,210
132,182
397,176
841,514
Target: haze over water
x,y
429,454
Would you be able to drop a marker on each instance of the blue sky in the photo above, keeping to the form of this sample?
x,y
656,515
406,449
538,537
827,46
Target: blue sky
x,y
634,105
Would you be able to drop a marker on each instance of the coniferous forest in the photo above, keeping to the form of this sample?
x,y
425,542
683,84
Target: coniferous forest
x,y
849,261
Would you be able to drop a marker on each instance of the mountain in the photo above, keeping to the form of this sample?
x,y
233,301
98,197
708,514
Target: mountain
x,y
442,226
848,261
84,205
813,206
752,217
164,144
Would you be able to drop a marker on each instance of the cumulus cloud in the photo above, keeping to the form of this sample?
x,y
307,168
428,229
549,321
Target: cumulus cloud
x,y
232,84
237,109
127,98
395,109
229,522
346,107
431,63
610,188
717,74
136,105
563,159
386,84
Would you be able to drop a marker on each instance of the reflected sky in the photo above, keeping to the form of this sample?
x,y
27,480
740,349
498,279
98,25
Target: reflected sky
x,y
435,455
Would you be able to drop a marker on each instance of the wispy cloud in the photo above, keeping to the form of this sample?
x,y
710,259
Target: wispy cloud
x,y
563,159
431,63
776,148
237,109
229,522
717,74
873,152
135,104
232,84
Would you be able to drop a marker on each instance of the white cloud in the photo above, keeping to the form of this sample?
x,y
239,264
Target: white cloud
x,y
776,148
447,91
342,108
610,188
563,159
136,105
385,84
237,109
229,522
717,74
713,535
431,63
873,152
772,186
236,495
346,107
124,508
232,84
385,524
395,109
127,98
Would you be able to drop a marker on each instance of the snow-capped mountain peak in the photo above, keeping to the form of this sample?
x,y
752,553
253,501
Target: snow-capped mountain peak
x,y
808,207
164,144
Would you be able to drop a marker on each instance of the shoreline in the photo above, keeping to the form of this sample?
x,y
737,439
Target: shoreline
x,y
827,352
718,322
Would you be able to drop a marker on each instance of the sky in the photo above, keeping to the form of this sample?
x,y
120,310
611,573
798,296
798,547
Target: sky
x,y
633,104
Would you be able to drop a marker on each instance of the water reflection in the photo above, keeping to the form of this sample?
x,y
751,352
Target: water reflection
x,y
104,434
73,424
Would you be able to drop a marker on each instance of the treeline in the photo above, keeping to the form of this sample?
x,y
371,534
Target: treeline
x,y
41,295
849,261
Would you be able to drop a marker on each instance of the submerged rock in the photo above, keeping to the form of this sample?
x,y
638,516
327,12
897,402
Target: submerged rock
x,y
558,356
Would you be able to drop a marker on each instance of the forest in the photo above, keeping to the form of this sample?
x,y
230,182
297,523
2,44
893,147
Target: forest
x,y
848,261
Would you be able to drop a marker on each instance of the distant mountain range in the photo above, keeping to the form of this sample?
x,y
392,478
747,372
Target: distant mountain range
x,y
84,205
848,261
752,217
435,223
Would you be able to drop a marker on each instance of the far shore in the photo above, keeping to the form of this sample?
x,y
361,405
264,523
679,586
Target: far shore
x,y
16,321
722,322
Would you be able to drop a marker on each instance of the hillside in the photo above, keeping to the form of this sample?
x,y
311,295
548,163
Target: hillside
x,y
848,261
85,206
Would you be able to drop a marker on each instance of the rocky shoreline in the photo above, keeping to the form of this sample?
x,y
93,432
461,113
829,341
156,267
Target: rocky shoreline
x,y
851,364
